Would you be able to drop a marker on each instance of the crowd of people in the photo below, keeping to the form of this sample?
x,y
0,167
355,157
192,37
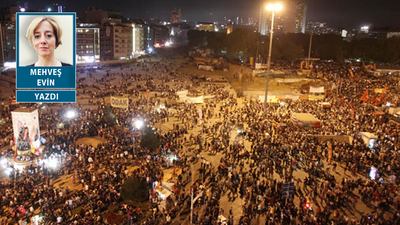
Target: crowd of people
x,y
237,150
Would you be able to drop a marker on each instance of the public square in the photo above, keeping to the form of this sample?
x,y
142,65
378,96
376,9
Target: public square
x,y
218,144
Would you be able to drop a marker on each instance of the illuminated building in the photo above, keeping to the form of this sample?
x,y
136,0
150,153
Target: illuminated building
x,y
264,23
116,40
87,42
300,19
205,26
138,37
176,16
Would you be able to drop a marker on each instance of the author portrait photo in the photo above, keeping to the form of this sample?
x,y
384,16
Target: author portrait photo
x,y
45,36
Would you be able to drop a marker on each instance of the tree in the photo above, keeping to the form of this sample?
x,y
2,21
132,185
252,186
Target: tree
x,y
216,41
242,44
135,189
149,140
197,38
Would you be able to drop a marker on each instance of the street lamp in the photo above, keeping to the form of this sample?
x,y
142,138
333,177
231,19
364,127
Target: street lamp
x,y
71,114
139,124
273,8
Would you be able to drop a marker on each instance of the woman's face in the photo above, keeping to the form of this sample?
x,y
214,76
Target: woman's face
x,y
44,39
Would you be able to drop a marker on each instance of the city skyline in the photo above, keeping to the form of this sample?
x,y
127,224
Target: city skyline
x,y
340,13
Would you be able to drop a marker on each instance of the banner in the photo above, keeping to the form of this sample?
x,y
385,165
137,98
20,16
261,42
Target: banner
x,y
316,97
119,102
317,89
196,100
179,93
271,99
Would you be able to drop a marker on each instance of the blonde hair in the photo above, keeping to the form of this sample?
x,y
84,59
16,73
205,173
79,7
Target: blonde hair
x,y
30,33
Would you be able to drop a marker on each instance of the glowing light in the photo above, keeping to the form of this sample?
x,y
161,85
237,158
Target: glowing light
x,y
22,9
3,163
372,173
48,9
167,44
274,7
8,171
139,124
157,45
238,131
10,65
71,114
52,163
150,50
89,60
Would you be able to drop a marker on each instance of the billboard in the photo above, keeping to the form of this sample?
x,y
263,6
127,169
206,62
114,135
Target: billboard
x,y
26,129
46,64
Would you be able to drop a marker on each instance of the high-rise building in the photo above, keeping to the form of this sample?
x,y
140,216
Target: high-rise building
x,y
95,15
87,42
250,21
300,19
292,18
116,40
7,33
138,37
264,23
176,16
263,26
317,28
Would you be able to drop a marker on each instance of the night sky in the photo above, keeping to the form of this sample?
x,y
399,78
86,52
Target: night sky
x,y
337,13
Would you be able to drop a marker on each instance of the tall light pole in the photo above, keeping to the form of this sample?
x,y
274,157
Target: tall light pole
x,y
309,51
273,8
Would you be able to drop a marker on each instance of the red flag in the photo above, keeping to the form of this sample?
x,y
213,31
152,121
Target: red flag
x,y
147,92
365,96
22,209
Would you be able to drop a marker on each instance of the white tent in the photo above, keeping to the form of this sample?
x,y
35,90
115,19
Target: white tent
x,y
196,100
305,119
317,89
369,139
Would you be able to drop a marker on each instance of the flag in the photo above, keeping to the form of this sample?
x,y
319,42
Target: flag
x,y
365,96
147,93
301,65
351,73
329,152
22,209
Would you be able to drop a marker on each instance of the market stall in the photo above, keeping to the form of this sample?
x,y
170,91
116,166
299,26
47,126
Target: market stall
x,y
305,120
369,139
